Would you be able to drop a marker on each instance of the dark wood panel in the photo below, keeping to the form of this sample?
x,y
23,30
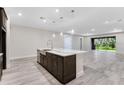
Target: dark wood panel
x,y
4,48
45,62
69,68
3,18
49,60
60,68
54,64
0,40
1,66
3,27
41,59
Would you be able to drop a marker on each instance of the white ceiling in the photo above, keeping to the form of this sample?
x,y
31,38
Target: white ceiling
x,y
101,20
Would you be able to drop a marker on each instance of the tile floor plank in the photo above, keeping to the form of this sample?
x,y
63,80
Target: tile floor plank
x,y
100,68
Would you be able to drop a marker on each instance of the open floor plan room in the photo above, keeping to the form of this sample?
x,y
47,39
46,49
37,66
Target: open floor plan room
x,y
61,46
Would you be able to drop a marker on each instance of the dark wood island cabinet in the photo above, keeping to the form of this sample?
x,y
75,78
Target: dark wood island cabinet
x,y
63,68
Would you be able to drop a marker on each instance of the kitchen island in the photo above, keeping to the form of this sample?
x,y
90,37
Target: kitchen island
x,y
65,65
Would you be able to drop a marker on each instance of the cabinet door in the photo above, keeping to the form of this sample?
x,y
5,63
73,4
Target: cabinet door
x,y
49,62
60,68
45,62
69,68
54,64
0,41
3,18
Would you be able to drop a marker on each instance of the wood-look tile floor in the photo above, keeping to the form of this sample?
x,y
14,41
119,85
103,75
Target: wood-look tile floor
x,y
100,68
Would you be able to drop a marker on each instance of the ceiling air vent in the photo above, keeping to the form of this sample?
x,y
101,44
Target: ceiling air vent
x,y
42,17
61,17
72,11
53,22
120,20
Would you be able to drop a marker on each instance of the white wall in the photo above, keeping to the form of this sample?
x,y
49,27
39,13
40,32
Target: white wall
x,y
25,41
119,42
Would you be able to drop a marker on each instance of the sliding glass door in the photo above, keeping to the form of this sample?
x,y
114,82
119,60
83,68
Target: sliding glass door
x,y
104,43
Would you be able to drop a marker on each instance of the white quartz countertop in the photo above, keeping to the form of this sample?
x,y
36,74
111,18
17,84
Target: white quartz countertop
x,y
60,53
64,52
1,54
43,48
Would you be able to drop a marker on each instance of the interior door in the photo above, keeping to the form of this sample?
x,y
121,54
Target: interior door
x,y
67,42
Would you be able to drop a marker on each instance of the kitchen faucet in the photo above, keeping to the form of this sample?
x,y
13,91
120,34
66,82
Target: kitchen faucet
x,y
50,43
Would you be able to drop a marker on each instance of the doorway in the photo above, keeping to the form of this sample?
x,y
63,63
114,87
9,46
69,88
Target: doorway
x,y
67,42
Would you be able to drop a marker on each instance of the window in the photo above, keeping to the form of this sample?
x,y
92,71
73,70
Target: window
x,y
104,43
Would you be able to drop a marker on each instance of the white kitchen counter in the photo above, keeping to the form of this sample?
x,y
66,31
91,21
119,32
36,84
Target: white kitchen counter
x,y
65,52
61,53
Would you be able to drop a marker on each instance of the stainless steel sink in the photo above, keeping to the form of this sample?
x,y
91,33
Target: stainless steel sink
x,y
43,52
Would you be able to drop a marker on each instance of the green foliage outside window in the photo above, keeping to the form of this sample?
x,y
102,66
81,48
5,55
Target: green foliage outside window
x,y
107,44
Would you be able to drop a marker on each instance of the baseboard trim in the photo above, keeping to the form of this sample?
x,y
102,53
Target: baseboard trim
x,y
24,57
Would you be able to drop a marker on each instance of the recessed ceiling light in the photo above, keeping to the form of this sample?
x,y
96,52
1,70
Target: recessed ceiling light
x,y
120,20
92,29
44,20
87,34
80,37
19,14
61,34
57,10
72,31
116,30
54,35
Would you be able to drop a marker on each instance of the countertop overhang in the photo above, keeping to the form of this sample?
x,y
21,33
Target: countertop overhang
x,y
64,52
